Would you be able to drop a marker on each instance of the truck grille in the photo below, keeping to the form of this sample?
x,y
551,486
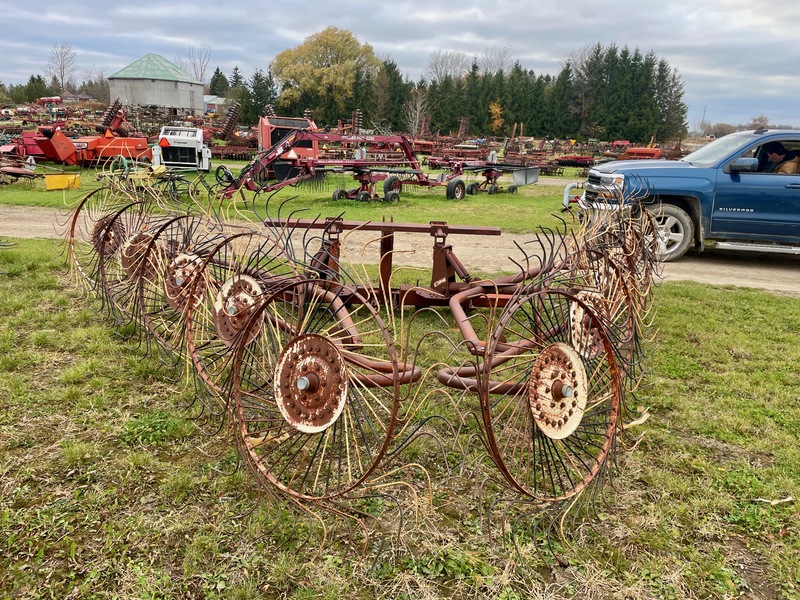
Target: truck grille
x,y
594,179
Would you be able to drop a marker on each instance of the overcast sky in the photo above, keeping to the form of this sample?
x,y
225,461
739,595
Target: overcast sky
x,y
737,58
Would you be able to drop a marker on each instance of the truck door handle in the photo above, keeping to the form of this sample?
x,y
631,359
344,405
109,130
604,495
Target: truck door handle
x,y
793,186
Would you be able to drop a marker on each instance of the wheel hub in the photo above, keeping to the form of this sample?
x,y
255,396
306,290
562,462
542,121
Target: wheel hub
x,y
557,391
181,272
584,332
237,299
663,235
133,254
107,240
310,383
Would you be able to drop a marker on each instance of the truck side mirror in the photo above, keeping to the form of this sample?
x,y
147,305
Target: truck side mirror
x,y
743,164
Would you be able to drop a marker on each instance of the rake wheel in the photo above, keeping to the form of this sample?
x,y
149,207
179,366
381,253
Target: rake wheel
x,y
137,258
179,280
86,236
317,391
550,394
605,285
237,274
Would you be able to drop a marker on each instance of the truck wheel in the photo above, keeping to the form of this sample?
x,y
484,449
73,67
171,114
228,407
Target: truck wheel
x,y
456,190
675,231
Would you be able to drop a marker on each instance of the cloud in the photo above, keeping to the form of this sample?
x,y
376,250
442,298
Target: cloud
x,y
735,57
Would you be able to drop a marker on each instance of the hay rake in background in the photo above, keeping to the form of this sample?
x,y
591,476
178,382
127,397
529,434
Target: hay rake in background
x,y
302,356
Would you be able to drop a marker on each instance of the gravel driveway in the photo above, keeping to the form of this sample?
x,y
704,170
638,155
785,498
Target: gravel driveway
x,y
777,273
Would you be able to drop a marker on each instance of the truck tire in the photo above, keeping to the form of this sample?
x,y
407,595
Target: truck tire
x,y
675,231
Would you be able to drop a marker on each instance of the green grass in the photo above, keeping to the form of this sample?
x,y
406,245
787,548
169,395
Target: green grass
x,y
531,207
109,489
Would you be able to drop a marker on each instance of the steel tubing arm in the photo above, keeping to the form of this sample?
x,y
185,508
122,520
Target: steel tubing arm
x,y
384,375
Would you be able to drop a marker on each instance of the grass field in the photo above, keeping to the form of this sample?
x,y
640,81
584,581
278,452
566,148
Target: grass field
x,y
532,206
110,490
111,487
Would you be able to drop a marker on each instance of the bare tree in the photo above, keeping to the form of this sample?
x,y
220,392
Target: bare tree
x,y
494,60
758,122
95,84
416,110
61,65
196,61
719,129
446,62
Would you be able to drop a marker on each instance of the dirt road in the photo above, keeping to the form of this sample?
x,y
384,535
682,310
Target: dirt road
x,y
488,254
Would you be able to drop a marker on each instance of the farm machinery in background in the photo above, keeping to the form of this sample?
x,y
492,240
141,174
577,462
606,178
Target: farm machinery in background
x,y
178,147
118,137
182,148
90,150
295,151
19,145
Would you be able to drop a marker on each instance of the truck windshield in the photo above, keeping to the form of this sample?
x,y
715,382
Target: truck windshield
x,y
717,150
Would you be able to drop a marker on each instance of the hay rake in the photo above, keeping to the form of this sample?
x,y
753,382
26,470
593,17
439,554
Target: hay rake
x,y
310,365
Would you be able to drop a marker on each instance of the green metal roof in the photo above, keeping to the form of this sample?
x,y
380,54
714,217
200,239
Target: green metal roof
x,y
153,66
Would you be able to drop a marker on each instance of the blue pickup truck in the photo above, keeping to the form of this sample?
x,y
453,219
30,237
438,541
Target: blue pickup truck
x,y
725,193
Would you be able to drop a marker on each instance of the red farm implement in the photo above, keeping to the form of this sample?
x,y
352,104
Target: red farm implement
x,y
375,158
336,384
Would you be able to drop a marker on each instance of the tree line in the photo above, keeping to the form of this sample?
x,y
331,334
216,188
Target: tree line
x,y
600,92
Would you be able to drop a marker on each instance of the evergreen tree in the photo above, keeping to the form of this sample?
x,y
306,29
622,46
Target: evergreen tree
x,y
445,98
389,96
588,68
35,88
607,113
363,86
643,118
517,96
260,92
473,101
96,88
674,119
236,79
563,121
218,86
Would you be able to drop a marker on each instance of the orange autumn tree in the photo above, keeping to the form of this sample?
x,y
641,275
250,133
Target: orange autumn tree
x,y
496,120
